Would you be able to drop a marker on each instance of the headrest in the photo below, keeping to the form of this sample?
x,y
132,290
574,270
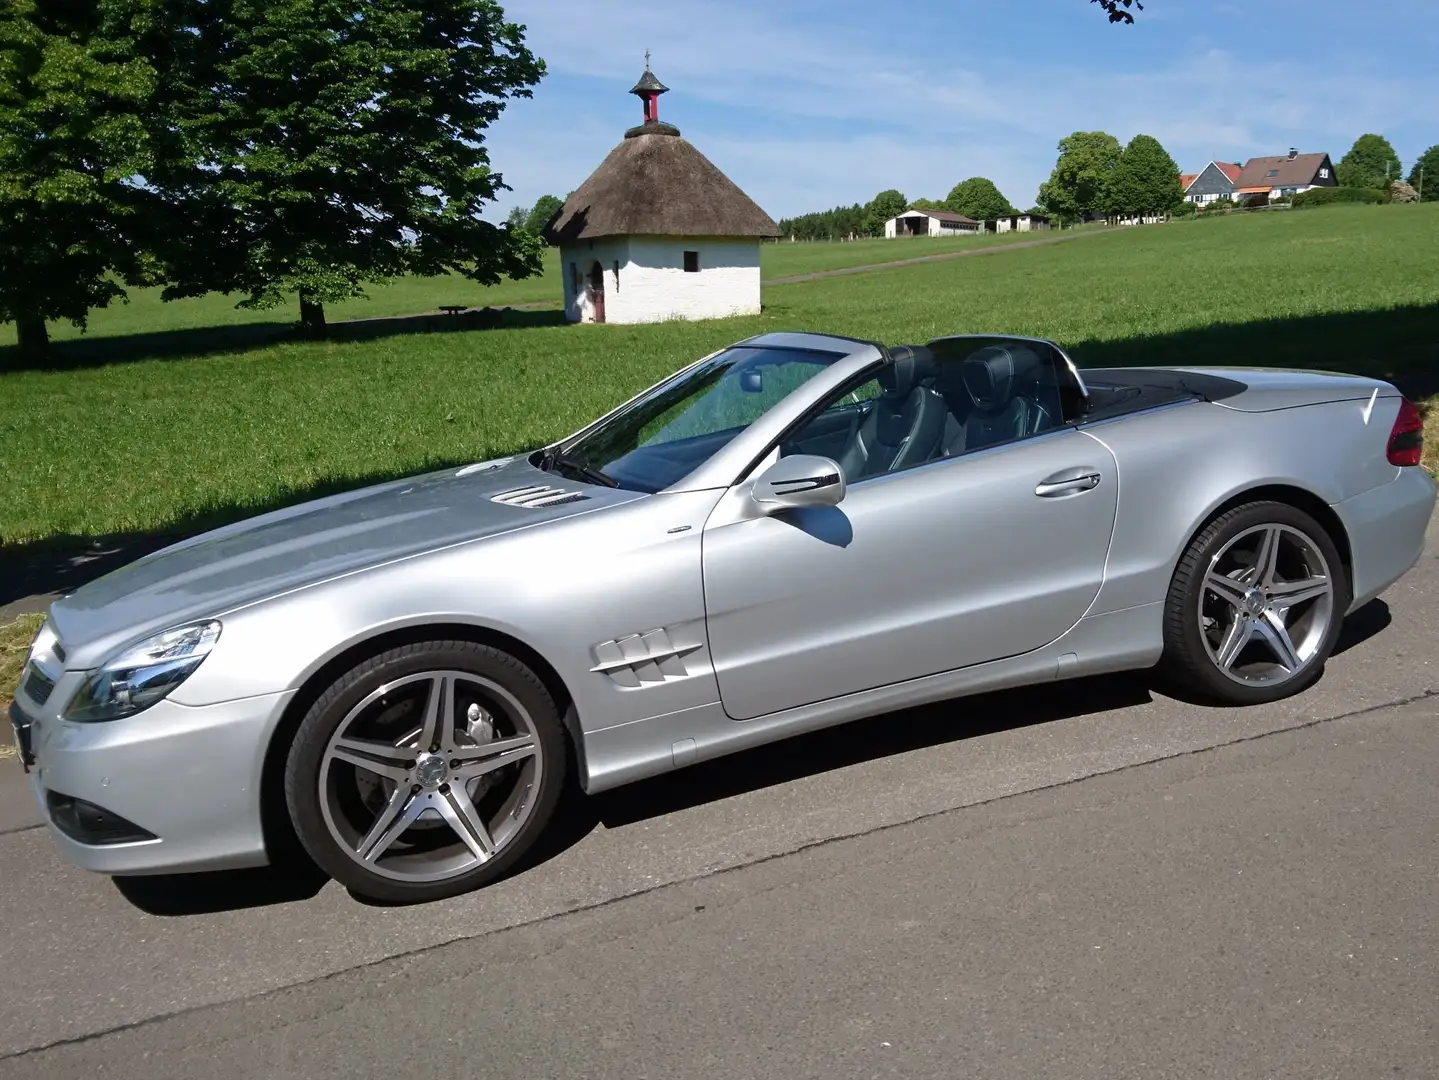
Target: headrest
x,y
990,373
912,364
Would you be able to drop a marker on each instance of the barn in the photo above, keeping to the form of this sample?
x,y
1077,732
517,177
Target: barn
x,y
658,232
929,223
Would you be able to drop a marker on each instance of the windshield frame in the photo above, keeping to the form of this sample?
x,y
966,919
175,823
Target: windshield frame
x,y
726,465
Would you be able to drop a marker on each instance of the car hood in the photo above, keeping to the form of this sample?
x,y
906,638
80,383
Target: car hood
x,y
300,545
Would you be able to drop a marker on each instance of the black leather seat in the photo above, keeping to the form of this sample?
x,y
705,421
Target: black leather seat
x,y
905,425
992,398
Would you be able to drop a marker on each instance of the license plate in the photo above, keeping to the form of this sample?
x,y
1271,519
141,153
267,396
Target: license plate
x,y
20,724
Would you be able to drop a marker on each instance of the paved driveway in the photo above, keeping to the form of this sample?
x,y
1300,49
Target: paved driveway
x,y
898,896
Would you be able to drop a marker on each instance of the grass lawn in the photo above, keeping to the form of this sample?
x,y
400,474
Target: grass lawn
x,y
145,313
170,443
15,638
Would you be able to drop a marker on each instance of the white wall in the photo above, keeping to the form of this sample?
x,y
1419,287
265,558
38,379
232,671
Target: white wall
x,y
652,284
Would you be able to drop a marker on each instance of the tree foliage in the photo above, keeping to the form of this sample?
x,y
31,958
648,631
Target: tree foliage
x,y
1371,162
546,207
887,204
1145,179
1079,183
979,199
79,120
1118,10
1425,174
342,143
841,223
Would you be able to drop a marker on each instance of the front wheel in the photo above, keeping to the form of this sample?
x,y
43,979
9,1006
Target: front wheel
x,y
1255,606
426,771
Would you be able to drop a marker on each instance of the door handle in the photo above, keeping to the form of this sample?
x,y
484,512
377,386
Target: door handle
x,y
1068,482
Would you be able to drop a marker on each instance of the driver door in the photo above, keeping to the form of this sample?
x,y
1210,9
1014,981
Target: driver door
x,y
956,561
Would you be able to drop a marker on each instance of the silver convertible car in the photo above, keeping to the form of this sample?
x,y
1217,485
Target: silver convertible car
x,y
794,532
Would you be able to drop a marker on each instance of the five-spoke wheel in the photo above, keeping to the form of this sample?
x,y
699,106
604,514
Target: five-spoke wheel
x,y
426,771
1255,605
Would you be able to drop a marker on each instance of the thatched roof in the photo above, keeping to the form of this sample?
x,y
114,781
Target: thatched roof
x,y
654,183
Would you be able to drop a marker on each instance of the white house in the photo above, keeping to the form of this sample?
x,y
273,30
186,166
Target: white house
x,y
929,223
1021,223
658,232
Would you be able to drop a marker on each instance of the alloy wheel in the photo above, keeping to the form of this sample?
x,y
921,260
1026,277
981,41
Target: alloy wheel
x,y
1267,605
430,776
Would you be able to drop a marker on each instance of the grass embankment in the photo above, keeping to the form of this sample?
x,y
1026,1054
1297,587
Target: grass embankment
x,y
163,443
15,638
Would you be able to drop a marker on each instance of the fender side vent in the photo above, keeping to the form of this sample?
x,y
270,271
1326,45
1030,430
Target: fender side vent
x,y
538,496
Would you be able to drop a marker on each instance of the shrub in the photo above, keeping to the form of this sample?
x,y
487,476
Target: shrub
x,y
1326,196
1184,209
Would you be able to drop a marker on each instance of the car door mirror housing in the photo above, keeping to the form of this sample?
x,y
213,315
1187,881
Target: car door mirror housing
x,y
800,480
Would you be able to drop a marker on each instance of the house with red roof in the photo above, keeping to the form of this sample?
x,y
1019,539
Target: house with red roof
x,y
1213,182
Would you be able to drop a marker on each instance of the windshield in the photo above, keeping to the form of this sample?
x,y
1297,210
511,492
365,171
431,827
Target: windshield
x,y
665,435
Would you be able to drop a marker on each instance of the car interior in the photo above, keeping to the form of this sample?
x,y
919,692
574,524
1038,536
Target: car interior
x,y
961,396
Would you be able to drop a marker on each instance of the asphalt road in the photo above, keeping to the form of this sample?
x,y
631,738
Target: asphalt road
x,y
1088,880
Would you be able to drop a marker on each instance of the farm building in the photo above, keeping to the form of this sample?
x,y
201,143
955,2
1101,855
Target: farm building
x,y
658,232
1210,184
1021,223
929,223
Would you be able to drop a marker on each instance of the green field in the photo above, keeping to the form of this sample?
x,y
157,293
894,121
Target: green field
x,y
185,439
145,313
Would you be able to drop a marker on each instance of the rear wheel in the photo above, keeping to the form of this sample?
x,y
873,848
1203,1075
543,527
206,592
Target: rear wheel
x,y
426,771
1255,606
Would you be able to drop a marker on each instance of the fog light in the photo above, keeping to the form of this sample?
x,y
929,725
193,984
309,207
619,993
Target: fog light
x,y
86,823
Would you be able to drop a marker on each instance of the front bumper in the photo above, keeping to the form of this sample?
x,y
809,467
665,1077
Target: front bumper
x,y
186,777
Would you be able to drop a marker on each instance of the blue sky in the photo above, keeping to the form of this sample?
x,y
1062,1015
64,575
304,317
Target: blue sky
x,y
808,104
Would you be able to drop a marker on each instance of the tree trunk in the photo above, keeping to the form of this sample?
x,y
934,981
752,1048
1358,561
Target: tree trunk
x,y
312,317
34,339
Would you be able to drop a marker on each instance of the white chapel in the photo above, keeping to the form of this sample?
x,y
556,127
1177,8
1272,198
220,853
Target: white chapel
x,y
657,232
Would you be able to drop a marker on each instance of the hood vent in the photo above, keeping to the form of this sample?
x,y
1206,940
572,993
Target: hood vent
x,y
538,496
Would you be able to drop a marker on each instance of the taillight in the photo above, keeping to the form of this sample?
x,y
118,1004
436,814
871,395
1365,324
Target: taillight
x,y
1406,438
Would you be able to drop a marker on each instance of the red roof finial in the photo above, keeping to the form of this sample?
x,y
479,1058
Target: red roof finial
x,y
649,89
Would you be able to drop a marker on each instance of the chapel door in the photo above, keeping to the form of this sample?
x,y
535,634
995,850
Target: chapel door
x,y
597,291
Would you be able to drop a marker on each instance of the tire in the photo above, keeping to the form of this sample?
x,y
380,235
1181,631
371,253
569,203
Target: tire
x,y
398,821
1220,600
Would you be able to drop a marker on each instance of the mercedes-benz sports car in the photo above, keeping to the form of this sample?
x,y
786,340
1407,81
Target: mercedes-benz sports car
x,y
793,532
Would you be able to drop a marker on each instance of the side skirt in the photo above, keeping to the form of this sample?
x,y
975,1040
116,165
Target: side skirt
x,y
1115,641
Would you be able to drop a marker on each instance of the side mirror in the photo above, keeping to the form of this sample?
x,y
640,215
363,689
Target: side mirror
x,y
801,480
752,381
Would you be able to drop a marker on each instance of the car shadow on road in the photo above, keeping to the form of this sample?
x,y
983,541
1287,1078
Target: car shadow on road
x,y
295,879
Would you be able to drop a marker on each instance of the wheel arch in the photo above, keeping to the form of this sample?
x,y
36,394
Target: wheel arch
x,y
1292,495
279,836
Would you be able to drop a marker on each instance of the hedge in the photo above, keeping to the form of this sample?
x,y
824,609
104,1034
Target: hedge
x,y
1325,196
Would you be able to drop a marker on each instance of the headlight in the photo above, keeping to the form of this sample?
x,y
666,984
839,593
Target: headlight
x,y
144,674
44,644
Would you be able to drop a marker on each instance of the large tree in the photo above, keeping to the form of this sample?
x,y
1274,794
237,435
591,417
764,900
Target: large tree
x,y
80,125
1145,179
342,143
1371,162
887,204
1425,174
979,199
1080,182
546,207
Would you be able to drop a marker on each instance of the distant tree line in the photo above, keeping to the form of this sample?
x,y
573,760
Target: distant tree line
x,y
976,198
266,149
1095,176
